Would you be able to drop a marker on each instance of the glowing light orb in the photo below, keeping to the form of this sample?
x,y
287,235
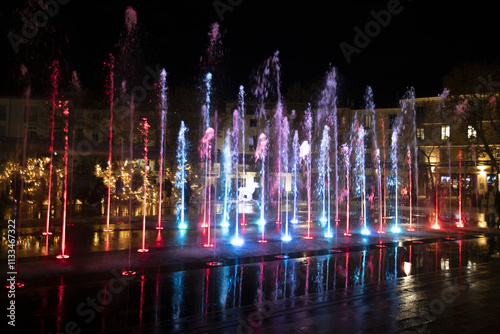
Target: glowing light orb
x,y
214,264
225,223
62,257
143,250
396,229
294,221
286,238
183,226
261,222
128,273
329,234
236,241
365,231
282,256
323,220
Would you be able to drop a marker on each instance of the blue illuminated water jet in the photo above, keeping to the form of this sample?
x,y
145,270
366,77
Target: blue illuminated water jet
x,y
180,176
226,178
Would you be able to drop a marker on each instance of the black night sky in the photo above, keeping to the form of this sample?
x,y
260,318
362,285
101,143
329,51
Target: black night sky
x,y
417,47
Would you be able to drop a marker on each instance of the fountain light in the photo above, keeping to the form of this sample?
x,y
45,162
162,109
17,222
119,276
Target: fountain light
x,y
396,229
237,241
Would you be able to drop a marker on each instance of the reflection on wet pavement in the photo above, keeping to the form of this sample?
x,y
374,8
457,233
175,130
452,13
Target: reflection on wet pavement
x,y
182,299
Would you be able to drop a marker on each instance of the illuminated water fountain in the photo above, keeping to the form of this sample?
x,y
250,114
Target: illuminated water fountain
x,y
360,151
370,109
54,92
226,179
285,132
206,157
206,154
394,180
295,172
65,107
180,176
324,172
144,132
237,240
306,155
110,90
163,120
260,154
345,151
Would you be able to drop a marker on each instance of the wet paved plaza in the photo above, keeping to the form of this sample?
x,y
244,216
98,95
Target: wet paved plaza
x,y
421,281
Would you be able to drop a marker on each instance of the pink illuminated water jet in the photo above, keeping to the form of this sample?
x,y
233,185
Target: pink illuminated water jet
x,y
260,154
206,154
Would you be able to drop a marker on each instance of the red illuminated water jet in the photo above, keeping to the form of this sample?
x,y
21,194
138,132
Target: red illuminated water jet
x,y
436,226
460,223
111,94
65,107
54,78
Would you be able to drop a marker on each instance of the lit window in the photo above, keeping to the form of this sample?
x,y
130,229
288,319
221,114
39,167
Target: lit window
x,y
421,133
445,132
471,132
368,121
